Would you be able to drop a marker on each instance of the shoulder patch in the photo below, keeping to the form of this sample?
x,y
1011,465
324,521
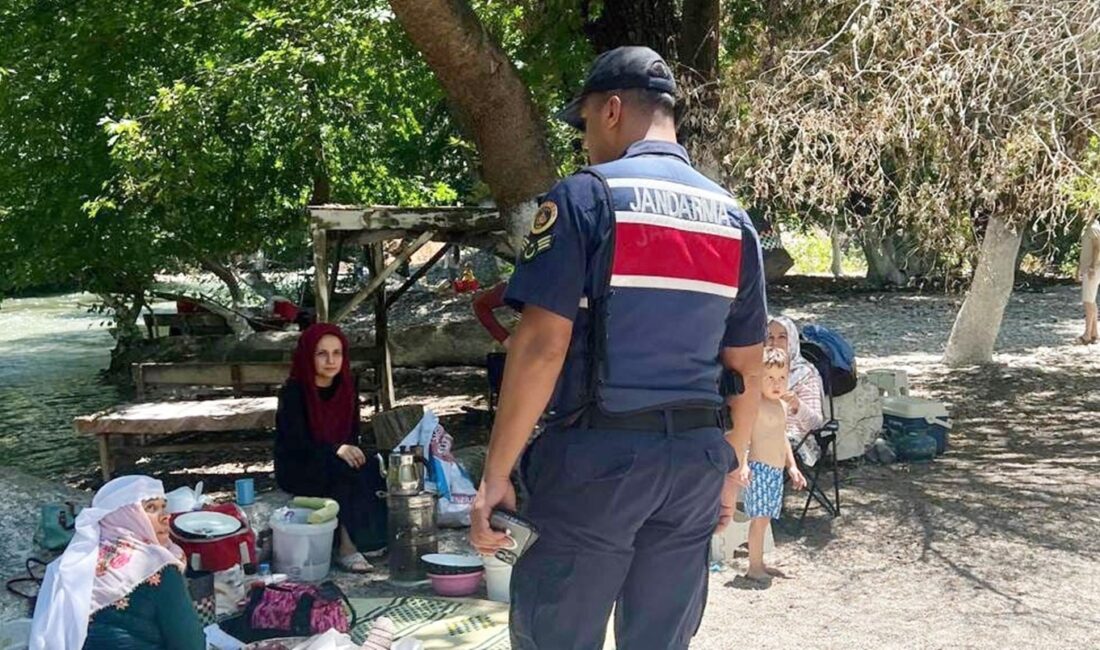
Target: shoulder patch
x,y
545,218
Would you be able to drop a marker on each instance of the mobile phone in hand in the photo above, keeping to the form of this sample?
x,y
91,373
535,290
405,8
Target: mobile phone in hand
x,y
522,532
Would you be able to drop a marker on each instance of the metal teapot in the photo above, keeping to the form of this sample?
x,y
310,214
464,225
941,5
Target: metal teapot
x,y
404,474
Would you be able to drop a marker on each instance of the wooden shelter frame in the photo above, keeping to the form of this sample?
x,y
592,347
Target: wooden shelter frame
x,y
371,227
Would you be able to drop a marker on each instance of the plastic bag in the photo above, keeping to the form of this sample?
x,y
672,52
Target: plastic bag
x,y
331,640
446,476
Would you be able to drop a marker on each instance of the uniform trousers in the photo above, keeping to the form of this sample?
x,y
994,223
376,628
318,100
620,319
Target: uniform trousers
x,y
625,520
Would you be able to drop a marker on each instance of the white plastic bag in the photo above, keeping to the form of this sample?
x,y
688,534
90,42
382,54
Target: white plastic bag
x,y
331,640
446,476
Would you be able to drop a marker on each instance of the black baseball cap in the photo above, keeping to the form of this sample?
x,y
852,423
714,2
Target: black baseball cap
x,y
630,66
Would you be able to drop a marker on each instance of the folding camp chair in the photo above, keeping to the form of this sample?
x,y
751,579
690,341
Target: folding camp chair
x,y
825,437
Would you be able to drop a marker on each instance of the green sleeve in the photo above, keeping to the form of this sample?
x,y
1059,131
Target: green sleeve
x,y
179,625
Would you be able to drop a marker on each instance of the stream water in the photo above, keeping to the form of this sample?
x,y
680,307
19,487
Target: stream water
x,y
51,352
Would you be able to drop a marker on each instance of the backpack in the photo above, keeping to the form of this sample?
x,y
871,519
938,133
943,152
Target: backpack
x,y
842,376
841,353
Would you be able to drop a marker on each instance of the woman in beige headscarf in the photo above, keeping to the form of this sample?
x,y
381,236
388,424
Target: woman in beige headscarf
x,y
1088,271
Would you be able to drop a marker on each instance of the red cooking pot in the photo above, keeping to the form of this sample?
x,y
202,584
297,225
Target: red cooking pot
x,y
215,538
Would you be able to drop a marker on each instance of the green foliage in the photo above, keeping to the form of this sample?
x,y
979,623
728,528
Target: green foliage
x,y
143,136
1086,188
812,252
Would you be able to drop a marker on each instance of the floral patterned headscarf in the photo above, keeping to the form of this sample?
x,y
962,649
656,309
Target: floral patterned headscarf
x,y
113,550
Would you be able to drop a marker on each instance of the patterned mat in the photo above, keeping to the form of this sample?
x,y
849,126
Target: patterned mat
x,y
439,622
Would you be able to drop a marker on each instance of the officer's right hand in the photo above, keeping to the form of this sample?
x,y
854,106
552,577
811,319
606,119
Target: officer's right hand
x,y
728,503
494,492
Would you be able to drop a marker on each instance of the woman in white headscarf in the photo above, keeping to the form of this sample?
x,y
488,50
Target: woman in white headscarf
x,y
119,584
803,399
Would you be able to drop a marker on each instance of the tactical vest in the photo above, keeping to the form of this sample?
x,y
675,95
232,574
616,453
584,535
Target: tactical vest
x,y
658,315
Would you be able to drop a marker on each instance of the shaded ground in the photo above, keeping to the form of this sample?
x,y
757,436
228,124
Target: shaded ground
x,y
996,543
993,544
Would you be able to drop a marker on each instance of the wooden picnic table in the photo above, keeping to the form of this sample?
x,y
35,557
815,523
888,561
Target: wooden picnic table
x,y
134,424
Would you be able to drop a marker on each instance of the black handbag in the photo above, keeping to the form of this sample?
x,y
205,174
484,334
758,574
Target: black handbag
x,y
27,586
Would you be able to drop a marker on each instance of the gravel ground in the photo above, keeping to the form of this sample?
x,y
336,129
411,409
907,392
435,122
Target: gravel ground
x,y
995,544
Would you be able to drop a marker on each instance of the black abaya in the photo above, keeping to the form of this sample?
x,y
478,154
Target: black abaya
x,y
304,467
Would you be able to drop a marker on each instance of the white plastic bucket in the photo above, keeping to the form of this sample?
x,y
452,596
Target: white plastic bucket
x,y
15,635
302,551
724,545
498,578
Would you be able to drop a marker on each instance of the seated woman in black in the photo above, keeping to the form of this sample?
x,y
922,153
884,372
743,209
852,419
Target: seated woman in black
x,y
317,449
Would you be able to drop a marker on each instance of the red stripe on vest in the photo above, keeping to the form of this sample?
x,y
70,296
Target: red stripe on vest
x,y
644,249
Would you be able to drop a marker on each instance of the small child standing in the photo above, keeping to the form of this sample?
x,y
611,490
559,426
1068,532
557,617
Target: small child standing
x,y
769,453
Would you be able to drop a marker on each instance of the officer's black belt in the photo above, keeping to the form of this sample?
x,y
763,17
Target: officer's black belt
x,y
667,421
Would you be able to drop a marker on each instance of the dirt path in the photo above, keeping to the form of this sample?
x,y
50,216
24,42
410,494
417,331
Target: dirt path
x,y
996,544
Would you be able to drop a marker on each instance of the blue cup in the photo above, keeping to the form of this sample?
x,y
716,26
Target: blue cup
x,y
246,492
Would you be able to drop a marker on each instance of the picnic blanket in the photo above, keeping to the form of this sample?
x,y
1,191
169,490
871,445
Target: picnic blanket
x,y
441,622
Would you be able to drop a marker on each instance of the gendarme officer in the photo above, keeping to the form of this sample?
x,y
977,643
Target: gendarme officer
x,y
639,280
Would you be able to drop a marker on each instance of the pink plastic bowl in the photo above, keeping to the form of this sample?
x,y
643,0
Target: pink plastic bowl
x,y
460,585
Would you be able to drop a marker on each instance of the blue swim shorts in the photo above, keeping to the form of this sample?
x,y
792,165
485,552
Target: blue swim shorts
x,y
764,496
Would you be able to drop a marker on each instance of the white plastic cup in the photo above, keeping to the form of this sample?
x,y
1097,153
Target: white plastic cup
x,y
498,578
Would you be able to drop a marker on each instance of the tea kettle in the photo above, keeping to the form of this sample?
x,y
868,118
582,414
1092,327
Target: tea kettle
x,y
404,473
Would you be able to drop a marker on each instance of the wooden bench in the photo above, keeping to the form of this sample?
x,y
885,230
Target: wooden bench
x,y
245,378
197,324
238,397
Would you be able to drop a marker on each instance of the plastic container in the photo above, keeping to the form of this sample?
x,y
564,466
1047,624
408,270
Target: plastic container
x,y
16,634
724,545
498,579
915,447
904,415
246,491
462,584
302,551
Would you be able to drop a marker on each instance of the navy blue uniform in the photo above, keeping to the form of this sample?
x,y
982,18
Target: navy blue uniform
x,y
658,268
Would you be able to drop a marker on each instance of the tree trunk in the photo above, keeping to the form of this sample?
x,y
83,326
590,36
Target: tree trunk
x,y
882,264
125,308
226,275
255,279
979,321
699,37
653,23
838,250
700,119
491,100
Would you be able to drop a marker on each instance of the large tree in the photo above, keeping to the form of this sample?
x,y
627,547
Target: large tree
x,y
138,137
486,91
959,123
494,100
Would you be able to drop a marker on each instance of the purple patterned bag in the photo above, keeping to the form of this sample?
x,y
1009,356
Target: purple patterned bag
x,y
295,609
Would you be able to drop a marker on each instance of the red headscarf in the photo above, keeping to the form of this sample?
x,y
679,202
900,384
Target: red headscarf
x,y
331,421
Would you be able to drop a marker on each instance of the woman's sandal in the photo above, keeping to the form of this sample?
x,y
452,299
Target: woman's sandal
x,y
354,563
1081,340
